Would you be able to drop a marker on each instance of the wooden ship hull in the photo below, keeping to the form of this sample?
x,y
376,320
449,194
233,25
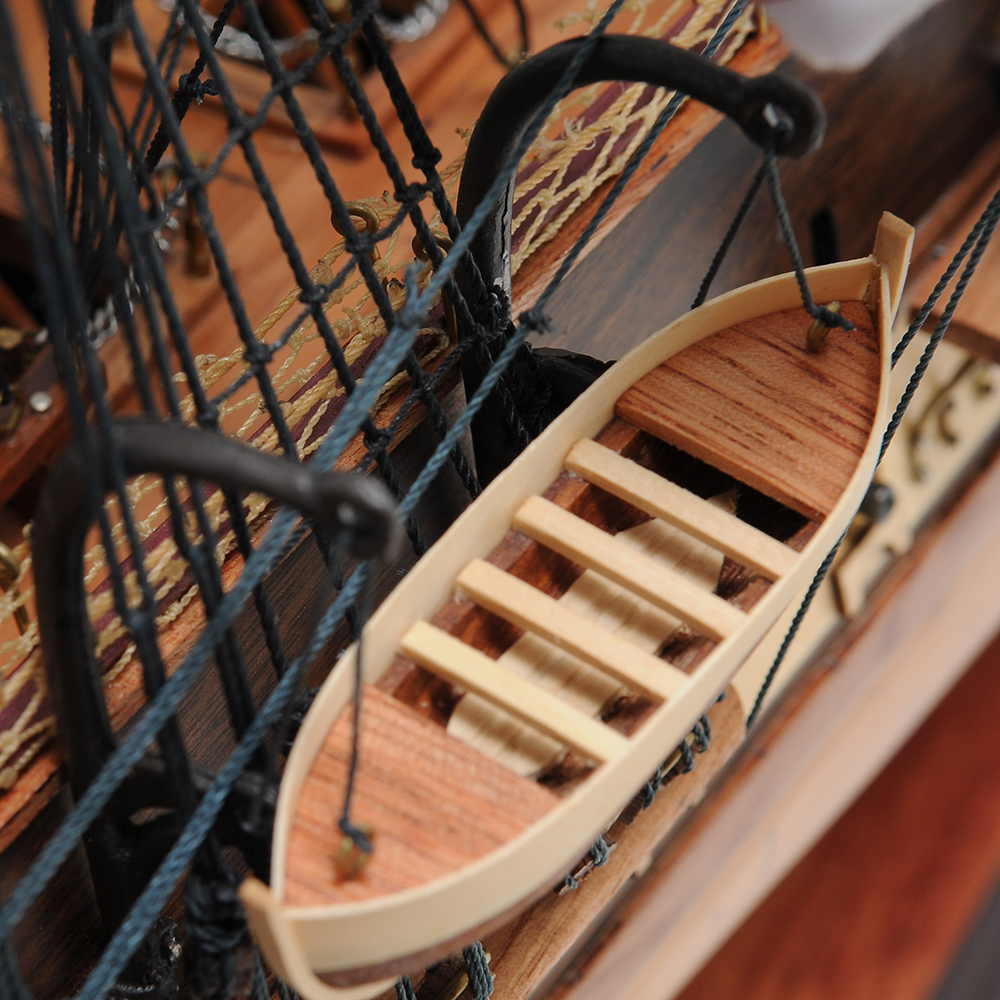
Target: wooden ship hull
x,y
463,840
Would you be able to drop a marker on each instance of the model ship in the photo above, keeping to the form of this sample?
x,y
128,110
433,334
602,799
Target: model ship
x,y
464,841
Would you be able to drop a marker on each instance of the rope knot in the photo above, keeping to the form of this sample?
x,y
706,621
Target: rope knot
x,y
411,195
426,158
378,441
478,967
256,354
358,837
207,415
650,789
315,295
600,852
213,914
195,89
830,318
220,962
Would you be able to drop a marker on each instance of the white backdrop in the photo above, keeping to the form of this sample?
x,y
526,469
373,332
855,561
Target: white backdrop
x,y
843,34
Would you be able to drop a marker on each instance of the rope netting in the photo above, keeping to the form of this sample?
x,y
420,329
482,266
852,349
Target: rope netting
x,y
330,375
336,374
588,139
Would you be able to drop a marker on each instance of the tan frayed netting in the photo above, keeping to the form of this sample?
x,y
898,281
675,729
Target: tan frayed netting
x,y
589,139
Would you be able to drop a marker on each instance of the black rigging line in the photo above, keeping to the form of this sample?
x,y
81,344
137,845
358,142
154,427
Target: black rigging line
x,y
484,32
977,241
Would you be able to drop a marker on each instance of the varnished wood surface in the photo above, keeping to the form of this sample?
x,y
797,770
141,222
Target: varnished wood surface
x,y
552,573
975,324
879,907
933,615
756,403
530,948
436,805
899,132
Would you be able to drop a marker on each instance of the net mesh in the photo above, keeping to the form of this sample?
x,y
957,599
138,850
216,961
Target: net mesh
x,y
602,123
122,202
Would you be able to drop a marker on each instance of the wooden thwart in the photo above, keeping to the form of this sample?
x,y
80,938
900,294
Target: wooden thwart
x,y
452,659
680,507
580,541
754,402
529,608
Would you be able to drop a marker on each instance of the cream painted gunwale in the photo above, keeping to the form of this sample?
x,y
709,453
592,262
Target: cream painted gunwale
x,y
298,940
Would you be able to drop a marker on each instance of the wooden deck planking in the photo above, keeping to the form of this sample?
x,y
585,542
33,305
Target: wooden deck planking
x,y
755,392
435,804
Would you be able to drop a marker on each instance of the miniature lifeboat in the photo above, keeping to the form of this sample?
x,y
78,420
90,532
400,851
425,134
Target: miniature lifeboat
x,y
727,398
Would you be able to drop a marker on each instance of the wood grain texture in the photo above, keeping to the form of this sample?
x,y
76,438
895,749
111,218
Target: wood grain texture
x,y
525,559
553,574
682,137
931,615
528,949
755,403
900,130
879,906
435,805
584,646
39,437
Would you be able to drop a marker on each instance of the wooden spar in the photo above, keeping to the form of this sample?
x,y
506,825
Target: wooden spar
x,y
328,951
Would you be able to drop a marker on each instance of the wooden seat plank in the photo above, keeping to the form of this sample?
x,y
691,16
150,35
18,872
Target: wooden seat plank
x,y
435,805
680,507
754,402
534,611
443,654
580,541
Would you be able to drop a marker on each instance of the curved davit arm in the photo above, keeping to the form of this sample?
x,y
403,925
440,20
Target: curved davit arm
x,y
772,110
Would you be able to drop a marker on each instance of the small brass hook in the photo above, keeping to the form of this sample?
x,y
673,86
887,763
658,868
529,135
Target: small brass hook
x,y
370,223
818,331
445,243
10,570
369,220
351,860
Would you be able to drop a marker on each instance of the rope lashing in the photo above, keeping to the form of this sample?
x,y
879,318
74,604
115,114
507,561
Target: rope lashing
x,y
194,89
478,966
404,989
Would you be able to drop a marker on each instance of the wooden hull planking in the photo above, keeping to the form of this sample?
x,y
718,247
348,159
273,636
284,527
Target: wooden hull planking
x,y
379,930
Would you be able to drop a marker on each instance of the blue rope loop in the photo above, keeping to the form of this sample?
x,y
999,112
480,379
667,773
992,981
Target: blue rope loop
x,y
600,853
404,989
478,967
75,203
